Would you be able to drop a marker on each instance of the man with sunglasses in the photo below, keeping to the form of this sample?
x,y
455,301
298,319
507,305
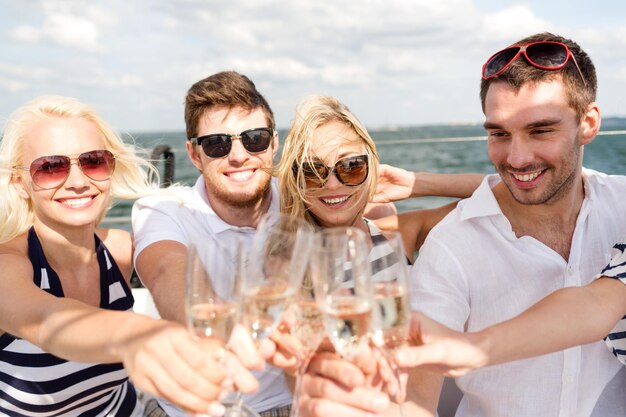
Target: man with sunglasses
x,y
232,141
541,224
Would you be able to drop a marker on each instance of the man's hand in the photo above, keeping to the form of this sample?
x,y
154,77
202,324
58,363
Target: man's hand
x,y
440,349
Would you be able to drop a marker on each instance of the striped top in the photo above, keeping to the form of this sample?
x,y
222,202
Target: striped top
x,y
36,383
616,340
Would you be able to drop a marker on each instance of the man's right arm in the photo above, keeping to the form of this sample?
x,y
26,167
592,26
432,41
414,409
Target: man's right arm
x,y
161,267
568,317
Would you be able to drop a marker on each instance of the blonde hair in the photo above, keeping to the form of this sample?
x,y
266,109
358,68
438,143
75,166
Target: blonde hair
x,y
311,113
133,176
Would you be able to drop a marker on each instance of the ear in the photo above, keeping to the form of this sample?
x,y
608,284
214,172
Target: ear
x,y
275,144
193,155
590,124
18,184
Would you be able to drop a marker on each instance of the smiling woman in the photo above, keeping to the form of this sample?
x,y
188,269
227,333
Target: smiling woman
x,y
68,345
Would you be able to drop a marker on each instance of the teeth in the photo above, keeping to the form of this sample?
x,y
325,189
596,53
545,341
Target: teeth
x,y
76,202
241,175
336,200
527,177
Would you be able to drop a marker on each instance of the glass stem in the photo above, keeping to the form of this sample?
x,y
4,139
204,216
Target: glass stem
x,y
301,369
396,373
237,404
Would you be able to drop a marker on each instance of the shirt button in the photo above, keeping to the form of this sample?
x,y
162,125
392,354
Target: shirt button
x,y
569,379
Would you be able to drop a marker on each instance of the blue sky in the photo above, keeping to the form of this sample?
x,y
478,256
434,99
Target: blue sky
x,y
393,62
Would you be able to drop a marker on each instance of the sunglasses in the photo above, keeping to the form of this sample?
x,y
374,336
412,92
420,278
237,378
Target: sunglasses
x,y
51,171
218,145
545,55
351,171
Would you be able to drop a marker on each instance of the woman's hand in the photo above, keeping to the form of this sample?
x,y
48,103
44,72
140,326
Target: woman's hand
x,y
336,387
191,373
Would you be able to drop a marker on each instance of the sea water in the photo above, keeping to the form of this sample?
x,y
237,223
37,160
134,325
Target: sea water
x,y
443,149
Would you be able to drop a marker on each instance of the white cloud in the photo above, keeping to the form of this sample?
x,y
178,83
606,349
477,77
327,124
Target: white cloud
x,y
512,23
60,29
12,85
421,55
71,24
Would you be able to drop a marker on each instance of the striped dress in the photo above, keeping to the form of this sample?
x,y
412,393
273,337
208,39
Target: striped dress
x,y
36,383
616,340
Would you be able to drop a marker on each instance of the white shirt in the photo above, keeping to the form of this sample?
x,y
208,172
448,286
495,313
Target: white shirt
x,y
472,272
187,217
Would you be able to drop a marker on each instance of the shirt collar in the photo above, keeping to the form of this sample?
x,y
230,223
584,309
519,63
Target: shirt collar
x,y
215,222
483,202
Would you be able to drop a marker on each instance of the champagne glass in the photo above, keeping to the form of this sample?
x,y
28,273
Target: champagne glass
x,y
275,266
307,328
343,289
276,263
213,299
392,314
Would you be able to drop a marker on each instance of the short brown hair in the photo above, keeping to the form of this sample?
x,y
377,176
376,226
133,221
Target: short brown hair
x,y
224,89
580,93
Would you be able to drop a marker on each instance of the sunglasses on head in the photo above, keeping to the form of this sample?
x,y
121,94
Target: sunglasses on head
x,y
51,171
349,171
218,145
545,55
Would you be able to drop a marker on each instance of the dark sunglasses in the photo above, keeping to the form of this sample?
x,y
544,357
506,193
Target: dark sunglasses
x,y
545,55
349,171
51,171
218,145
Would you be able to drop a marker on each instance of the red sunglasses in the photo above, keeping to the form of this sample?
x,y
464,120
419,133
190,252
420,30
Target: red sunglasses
x,y
51,171
545,55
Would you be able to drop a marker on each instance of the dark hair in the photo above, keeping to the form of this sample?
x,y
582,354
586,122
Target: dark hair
x,y
228,89
580,94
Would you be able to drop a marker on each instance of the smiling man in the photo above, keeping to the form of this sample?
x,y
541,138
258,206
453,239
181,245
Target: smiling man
x,y
542,223
231,140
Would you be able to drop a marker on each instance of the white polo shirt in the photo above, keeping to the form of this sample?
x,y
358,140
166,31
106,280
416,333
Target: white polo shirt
x,y
187,217
472,272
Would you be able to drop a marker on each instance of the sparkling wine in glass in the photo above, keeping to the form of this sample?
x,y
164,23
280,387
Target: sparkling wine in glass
x,y
306,326
391,317
341,275
275,265
213,299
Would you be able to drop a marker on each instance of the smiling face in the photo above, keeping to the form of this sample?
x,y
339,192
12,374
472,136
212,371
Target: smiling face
x,y
78,201
535,140
239,179
336,204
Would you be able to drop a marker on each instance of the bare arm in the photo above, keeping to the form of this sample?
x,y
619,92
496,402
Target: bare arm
x,y
568,317
397,184
161,267
415,225
161,357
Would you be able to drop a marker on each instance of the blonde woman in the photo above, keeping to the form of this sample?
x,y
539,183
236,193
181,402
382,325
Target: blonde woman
x,y
329,170
68,342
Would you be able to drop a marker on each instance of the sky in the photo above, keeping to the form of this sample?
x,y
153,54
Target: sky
x,y
393,62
